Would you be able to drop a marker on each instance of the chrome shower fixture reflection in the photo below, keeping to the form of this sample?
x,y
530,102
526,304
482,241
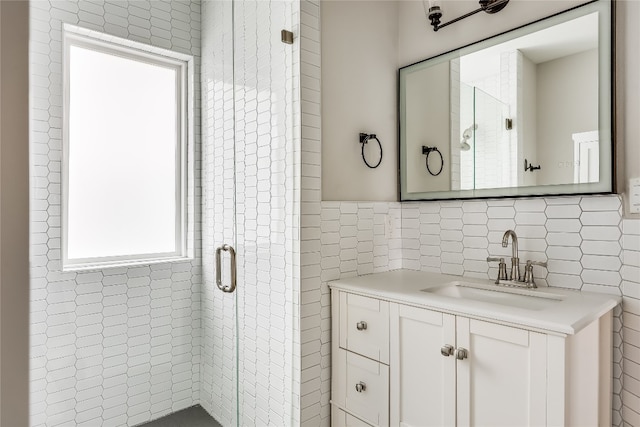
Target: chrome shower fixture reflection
x,y
435,12
466,135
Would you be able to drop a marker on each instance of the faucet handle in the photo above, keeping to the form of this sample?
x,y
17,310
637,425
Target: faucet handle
x,y
502,268
540,263
528,272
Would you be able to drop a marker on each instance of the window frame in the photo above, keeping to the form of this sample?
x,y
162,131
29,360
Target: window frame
x,y
183,65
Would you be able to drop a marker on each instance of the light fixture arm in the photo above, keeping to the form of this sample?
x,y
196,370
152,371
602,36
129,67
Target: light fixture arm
x,y
488,6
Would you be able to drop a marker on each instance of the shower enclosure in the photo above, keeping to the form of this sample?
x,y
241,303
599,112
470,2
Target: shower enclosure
x,y
248,203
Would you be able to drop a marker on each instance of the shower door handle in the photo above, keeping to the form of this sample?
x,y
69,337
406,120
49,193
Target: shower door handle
x,y
226,288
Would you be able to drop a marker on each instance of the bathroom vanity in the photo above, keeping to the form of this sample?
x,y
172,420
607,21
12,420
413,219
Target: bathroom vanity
x,y
412,348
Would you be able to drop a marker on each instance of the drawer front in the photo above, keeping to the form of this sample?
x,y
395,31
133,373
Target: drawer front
x,y
339,418
364,326
363,387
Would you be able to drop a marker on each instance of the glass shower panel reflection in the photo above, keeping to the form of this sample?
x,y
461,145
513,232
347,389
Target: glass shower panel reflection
x,y
487,154
493,153
467,145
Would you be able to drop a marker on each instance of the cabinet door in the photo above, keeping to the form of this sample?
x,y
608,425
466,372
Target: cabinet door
x,y
502,380
422,380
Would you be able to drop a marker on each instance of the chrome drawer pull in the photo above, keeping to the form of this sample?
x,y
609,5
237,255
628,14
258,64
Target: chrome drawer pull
x,y
461,353
360,387
361,326
446,350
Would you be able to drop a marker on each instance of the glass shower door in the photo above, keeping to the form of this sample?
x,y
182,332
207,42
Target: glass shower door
x,y
264,171
219,330
249,195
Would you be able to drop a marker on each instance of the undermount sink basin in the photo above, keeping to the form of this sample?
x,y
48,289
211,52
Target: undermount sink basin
x,y
530,299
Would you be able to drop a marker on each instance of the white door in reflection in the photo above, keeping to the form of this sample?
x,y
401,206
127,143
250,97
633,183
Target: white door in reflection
x,y
586,156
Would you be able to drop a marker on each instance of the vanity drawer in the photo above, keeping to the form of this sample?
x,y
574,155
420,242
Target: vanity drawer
x,y
339,418
364,326
362,387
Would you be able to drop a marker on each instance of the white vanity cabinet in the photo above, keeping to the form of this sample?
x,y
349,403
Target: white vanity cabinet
x,y
403,363
446,368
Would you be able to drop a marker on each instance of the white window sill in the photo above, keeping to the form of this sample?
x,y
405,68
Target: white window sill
x,y
96,266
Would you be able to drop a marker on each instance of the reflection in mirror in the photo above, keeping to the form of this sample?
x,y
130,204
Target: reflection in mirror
x,y
525,113
488,162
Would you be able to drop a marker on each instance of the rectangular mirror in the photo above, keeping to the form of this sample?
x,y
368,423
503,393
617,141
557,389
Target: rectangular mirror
x,y
525,113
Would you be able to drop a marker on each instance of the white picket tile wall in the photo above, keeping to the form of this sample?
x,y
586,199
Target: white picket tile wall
x,y
314,320
580,238
631,321
117,346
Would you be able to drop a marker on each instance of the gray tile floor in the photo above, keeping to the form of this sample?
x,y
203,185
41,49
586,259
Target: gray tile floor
x,y
190,417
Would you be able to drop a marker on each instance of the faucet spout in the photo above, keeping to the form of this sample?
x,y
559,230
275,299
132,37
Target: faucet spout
x,y
514,241
515,261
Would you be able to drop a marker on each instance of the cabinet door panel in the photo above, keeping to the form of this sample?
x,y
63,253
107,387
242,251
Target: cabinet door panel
x,y
422,380
502,382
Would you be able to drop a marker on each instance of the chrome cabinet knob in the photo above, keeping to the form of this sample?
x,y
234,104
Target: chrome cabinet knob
x,y
361,326
461,353
360,387
446,350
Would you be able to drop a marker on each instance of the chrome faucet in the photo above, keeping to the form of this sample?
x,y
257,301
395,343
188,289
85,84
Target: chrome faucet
x,y
514,277
515,261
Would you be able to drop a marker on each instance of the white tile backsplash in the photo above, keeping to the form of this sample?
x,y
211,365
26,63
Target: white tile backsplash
x,y
315,245
630,272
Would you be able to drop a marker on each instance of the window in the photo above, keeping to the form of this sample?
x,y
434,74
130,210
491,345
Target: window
x,y
124,153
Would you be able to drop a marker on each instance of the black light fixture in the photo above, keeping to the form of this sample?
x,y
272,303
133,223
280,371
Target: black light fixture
x,y
488,6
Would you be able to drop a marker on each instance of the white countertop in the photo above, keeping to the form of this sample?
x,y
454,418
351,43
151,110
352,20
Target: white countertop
x,y
575,311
